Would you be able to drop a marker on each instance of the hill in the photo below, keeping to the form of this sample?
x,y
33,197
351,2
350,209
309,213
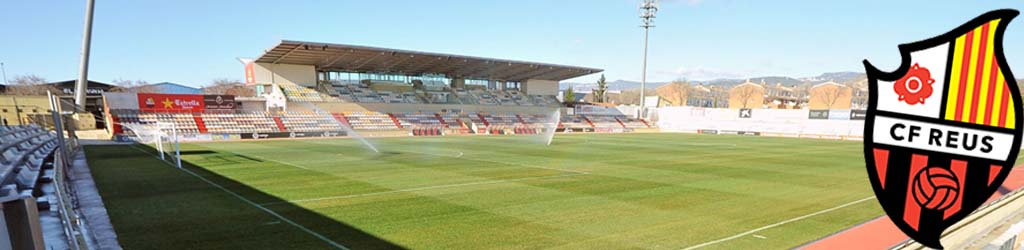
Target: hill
x,y
837,77
620,85
617,85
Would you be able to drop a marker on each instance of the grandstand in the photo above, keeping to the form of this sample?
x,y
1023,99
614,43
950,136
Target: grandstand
x,y
30,199
244,122
328,87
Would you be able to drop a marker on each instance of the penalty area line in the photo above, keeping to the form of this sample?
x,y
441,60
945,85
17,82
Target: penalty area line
x,y
778,224
421,189
251,203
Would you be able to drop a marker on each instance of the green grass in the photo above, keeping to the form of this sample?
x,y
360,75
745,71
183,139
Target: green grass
x,y
655,191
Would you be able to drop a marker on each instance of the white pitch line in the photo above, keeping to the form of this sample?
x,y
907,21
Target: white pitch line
x,y
420,189
276,161
778,224
268,211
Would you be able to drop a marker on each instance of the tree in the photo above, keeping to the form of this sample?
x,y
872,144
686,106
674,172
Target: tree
x,y
830,94
602,88
678,93
30,85
129,86
746,95
228,87
569,96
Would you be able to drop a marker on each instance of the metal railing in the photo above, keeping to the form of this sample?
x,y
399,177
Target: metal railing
x,y
67,201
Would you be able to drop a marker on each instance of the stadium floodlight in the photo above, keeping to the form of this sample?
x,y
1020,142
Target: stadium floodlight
x,y
83,68
4,72
648,10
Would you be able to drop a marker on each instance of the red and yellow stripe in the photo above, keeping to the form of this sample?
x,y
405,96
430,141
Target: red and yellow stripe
x,y
978,92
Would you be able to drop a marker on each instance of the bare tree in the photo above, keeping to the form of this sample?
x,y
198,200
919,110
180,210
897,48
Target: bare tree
x,y
228,87
677,93
803,95
30,85
830,95
129,86
746,95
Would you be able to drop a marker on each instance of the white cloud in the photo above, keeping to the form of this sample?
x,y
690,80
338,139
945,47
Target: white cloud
x,y
701,73
688,2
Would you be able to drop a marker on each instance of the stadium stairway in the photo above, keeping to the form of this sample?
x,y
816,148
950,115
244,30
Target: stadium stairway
x,y
116,126
520,119
341,118
620,122
199,123
486,123
439,118
589,122
395,120
280,124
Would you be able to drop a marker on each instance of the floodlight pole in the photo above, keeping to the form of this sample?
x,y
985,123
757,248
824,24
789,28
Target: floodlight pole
x,y
4,72
83,68
648,10
643,76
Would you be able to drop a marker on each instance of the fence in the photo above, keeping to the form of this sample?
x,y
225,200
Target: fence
x,y
833,124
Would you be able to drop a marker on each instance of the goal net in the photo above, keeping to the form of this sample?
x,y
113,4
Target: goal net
x,y
163,137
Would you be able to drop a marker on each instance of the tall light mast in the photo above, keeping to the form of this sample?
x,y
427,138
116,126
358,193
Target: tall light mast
x,y
83,68
4,72
648,10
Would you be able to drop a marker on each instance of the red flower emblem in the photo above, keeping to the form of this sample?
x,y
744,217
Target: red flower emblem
x,y
916,86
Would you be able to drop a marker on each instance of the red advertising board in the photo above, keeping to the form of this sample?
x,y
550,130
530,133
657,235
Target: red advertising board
x,y
250,73
171,103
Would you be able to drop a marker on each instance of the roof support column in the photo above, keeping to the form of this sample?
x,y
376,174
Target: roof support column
x,y
458,83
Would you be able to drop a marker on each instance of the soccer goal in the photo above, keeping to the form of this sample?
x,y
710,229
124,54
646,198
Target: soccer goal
x,y
161,136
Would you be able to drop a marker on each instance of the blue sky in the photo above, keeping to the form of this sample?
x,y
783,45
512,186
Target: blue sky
x,y
193,41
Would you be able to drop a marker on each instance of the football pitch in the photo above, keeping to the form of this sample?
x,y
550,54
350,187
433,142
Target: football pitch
x,y
585,191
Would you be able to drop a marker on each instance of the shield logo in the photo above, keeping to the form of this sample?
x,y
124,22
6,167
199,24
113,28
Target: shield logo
x,y
943,130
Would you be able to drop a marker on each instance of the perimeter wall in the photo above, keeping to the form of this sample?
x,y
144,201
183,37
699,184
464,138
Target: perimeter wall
x,y
831,124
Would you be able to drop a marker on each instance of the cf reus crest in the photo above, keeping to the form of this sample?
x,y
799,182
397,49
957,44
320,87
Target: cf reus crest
x,y
943,130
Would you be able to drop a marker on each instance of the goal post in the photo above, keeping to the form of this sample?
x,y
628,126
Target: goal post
x,y
169,143
162,136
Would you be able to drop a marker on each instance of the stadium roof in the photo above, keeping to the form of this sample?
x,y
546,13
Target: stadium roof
x,y
353,58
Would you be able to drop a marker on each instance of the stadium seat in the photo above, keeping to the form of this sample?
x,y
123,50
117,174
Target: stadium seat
x,y
310,122
369,120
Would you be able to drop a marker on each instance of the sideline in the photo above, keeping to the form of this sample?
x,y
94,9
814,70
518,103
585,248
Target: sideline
x,y
872,197
236,195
